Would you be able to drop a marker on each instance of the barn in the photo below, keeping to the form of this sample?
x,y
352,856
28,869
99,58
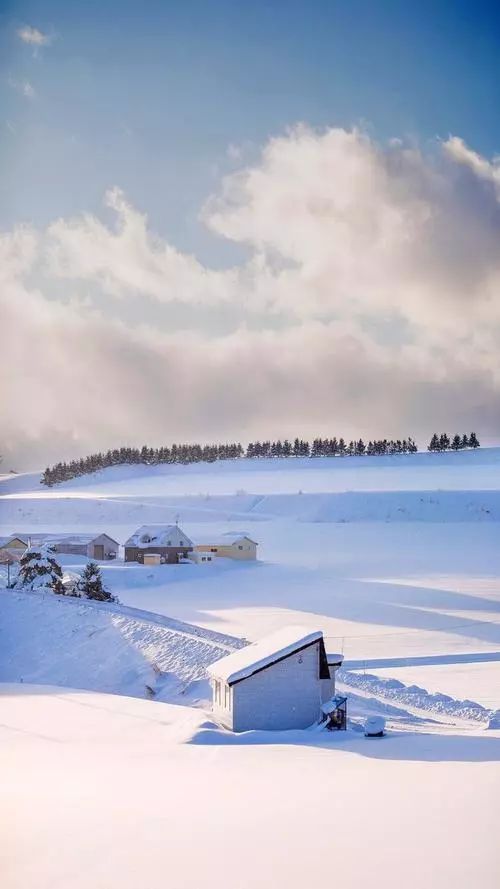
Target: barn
x,y
277,683
94,546
169,542
230,545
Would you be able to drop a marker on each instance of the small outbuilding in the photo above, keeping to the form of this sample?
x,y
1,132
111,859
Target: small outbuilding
x,y
12,546
94,546
169,542
200,557
230,545
277,683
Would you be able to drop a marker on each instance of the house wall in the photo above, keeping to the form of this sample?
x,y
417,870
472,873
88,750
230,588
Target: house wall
x,y
223,708
231,551
285,695
205,557
169,552
110,546
76,549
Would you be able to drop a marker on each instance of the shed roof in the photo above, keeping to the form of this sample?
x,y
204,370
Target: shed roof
x,y
255,657
334,659
227,538
157,535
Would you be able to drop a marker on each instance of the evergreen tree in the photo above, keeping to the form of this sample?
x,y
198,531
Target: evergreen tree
x,y
38,570
473,440
444,442
465,441
456,443
434,443
89,585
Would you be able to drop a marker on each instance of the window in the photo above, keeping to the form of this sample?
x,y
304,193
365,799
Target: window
x,y
213,549
169,543
227,697
240,547
217,692
181,543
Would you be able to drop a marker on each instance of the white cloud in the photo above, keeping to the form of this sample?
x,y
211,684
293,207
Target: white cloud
x,y
456,149
33,36
382,265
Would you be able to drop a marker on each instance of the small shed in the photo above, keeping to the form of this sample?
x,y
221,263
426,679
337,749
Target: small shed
x,y
13,546
277,683
167,541
230,545
200,557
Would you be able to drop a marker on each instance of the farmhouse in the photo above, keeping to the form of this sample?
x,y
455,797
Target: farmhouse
x,y
168,542
277,683
94,546
230,545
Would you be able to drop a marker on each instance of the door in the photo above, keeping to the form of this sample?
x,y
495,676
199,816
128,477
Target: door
x,y
98,551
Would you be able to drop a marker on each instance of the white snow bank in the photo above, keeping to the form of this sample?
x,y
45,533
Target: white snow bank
x,y
413,696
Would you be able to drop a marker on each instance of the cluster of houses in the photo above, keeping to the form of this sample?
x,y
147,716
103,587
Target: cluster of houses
x,y
149,545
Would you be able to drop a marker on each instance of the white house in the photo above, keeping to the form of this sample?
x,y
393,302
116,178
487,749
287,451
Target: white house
x,y
277,683
229,545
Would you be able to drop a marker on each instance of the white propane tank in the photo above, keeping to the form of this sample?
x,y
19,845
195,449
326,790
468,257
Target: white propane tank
x,y
374,727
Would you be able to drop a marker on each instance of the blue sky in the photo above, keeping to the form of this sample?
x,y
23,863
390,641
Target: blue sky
x,y
150,96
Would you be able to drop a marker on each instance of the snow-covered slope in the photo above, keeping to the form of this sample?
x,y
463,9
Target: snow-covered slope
x,y
115,793
54,640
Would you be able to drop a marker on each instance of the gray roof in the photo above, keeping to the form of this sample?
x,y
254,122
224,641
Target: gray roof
x,y
38,537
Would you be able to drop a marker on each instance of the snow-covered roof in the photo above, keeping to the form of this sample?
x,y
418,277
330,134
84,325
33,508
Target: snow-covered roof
x,y
228,538
333,659
158,535
246,661
38,538
4,541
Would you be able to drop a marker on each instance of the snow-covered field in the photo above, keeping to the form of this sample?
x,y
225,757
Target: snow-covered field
x,y
115,793
391,556
396,559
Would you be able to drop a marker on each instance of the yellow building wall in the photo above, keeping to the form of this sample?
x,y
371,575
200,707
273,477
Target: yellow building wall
x,y
248,552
